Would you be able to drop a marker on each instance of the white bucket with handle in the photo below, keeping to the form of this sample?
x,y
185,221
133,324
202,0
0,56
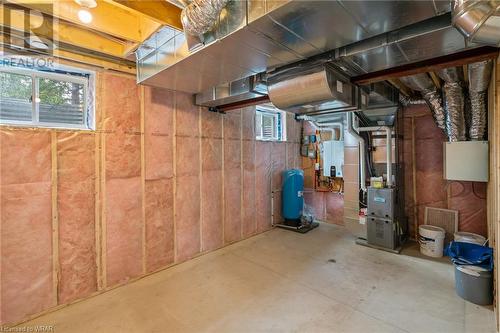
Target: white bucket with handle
x,y
469,237
431,240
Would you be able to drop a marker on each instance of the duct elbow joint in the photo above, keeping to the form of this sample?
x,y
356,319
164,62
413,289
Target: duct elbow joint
x,y
478,20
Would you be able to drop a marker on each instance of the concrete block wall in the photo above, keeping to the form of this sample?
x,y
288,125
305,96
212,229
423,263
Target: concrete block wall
x,y
158,182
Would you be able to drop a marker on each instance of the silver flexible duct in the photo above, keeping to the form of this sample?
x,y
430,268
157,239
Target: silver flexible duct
x,y
479,74
454,102
200,16
477,20
423,83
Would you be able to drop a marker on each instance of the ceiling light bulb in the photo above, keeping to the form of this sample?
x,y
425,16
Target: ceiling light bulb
x,y
87,3
85,16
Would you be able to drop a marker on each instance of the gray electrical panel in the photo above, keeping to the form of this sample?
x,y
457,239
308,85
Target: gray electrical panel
x,y
381,220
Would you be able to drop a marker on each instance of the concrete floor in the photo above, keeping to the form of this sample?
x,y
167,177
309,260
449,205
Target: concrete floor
x,y
285,281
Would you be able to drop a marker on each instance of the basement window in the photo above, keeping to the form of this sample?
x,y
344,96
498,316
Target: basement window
x,y
270,125
35,98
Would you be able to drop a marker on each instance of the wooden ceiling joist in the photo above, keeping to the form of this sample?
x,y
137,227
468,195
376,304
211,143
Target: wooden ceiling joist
x,y
401,87
14,46
60,31
435,79
431,65
162,12
117,21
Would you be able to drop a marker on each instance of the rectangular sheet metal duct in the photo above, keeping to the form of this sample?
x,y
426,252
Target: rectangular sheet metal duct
x,y
256,36
309,89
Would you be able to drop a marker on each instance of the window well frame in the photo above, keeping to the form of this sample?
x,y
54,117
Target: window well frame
x,y
88,110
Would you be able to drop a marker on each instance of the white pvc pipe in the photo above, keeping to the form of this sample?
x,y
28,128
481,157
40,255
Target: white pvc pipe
x,y
361,141
324,126
388,139
328,127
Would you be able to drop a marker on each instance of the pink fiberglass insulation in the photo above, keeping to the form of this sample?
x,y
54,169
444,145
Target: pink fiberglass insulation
x,y
211,125
187,116
248,160
120,104
187,194
26,278
158,127
123,229
232,190
429,161
26,224
248,204
211,152
187,217
232,125
138,234
21,150
123,155
469,198
159,202
159,156
159,106
211,187
263,173
248,123
212,206
431,189
278,160
188,156
334,208
292,155
277,202
76,209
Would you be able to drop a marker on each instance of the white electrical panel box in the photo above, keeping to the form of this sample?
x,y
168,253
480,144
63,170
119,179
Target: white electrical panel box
x,y
466,160
333,156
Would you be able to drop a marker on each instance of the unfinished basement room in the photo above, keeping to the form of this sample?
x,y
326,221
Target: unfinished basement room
x,y
249,166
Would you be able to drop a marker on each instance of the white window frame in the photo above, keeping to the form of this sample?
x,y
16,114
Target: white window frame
x,y
35,122
274,112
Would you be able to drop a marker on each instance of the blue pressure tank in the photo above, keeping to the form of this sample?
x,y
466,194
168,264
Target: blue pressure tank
x,y
292,194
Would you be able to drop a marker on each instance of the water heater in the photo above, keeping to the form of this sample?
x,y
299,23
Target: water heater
x,y
333,158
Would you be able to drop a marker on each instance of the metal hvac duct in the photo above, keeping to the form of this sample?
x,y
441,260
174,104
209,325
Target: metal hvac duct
x,y
454,102
311,88
423,83
236,91
478,20
479,74
200,16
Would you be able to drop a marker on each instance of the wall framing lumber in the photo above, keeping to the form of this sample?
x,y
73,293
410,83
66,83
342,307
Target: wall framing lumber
x,y
143,183
55,219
